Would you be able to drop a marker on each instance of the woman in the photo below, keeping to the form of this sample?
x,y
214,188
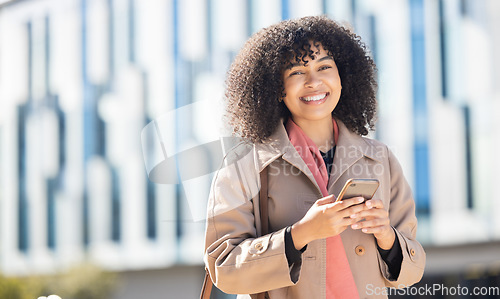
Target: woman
x,y
302,95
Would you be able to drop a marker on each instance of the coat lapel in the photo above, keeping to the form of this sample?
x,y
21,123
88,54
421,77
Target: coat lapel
x,y
350,149
278,145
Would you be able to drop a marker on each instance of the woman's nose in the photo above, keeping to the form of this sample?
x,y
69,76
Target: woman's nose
x,y
312,80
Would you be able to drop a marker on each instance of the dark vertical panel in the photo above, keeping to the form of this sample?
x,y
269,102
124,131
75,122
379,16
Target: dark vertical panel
x,y
116,206
443,49
151,228
354,12
420,113
87,123
22,204
131,31
99,126
22,114
151,219
178,103
373,36
51,183
468,155
51,213
61,117
285,9
374,48
85,219
464,7
249,17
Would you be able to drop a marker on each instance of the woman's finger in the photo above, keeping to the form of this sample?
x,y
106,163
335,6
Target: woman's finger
x,y
371,223
374,230
370,213
325,200
346,203
374,203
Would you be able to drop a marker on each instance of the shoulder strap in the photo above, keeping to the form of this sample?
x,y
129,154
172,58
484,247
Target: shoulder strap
x,y
263,206
206,289
264,214
264,220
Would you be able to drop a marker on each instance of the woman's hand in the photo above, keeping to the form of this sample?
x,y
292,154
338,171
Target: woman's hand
x,y
326,219
376,223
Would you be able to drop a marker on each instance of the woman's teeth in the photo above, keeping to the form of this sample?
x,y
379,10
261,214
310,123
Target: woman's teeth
x,y
314,98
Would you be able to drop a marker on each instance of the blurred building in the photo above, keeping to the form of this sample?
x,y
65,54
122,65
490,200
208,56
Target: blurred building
x,y
80,79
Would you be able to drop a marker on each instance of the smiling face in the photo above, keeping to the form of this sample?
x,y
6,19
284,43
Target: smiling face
x,y
312,88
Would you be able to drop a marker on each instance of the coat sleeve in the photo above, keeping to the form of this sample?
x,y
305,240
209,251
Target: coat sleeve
x,y
238,261
403,219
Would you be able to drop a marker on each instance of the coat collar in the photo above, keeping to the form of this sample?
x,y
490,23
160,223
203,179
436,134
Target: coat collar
x,y
349,149
278,145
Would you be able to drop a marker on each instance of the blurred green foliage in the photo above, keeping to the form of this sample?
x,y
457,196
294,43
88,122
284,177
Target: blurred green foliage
x,y
81,282
12,288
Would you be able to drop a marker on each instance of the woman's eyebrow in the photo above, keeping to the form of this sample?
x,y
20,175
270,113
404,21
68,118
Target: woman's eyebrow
x,y
325,58
301,64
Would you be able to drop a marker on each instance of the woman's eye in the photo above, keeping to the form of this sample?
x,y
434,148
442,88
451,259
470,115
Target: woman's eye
x,y
295,73
324,67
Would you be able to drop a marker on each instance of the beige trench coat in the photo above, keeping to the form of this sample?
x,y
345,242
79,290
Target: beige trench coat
x,y
241,262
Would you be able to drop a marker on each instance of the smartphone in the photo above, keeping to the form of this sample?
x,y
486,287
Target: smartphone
x,y
359,187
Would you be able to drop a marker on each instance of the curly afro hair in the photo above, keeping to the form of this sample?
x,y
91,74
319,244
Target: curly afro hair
x,y
254,82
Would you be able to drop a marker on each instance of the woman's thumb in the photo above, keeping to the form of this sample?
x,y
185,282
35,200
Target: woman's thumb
x,y
325,200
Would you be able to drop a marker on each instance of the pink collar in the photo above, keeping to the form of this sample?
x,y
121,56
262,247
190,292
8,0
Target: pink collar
x,y
310,153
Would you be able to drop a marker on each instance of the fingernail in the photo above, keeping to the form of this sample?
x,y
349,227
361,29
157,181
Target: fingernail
x,y
364,230
354,215
361,199
355,226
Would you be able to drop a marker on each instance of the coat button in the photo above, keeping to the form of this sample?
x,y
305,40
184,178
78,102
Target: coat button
x,y
258,246
360,250
412,252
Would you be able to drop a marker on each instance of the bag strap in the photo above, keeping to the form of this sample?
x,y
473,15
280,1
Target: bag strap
x,y
263,206
206,289
264,220
264,213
